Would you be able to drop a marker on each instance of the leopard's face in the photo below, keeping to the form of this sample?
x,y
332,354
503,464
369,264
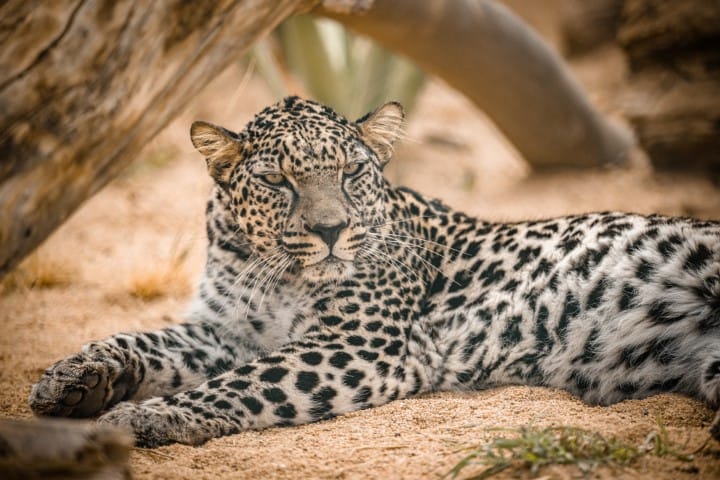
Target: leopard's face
x,y
305,184
306,198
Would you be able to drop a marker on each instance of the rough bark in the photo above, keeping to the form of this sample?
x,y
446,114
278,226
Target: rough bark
x,y
85,84
652,29
63,449
673,99
587,25
486,52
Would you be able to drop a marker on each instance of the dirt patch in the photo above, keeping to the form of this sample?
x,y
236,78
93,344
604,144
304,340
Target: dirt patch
x,y
149,224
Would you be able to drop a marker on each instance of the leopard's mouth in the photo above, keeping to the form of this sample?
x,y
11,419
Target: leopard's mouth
x,y
329,268
327,256
329,261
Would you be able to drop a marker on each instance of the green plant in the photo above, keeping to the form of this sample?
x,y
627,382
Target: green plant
x,y
530,449
658,444
350,73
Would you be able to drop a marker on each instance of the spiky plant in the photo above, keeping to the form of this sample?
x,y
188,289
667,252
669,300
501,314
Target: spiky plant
x,y
350,73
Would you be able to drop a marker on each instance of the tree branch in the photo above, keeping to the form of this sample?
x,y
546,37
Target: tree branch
x,y
490,55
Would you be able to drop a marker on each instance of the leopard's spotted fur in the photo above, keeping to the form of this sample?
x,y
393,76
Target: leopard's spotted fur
x,y
413,298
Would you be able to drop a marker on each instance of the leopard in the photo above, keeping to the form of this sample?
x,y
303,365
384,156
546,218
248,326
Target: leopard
x,y
327,289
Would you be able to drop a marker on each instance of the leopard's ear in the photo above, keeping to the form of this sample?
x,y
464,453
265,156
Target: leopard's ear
x,y
221,148
381,128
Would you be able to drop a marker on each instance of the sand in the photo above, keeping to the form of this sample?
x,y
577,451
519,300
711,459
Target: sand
x,y
145,231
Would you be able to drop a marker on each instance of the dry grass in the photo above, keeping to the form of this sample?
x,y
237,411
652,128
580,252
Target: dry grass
x,y
530,449
39,270
168,278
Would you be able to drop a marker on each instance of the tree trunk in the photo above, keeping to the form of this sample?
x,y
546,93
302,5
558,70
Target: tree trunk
x,y
85,84
486,52
587,25
673,100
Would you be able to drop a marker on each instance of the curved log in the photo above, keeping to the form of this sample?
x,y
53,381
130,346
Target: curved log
x,y
486,52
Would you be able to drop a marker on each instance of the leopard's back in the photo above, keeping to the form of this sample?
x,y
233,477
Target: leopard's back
x,y
609,306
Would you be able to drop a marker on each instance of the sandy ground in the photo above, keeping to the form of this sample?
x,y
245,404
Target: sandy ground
x,y
144,234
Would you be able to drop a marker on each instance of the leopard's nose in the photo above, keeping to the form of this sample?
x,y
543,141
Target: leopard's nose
x,y
329,233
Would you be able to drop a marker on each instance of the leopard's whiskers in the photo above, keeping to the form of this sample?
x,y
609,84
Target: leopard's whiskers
x,y
395,233
260,279
282,265
399,237
258,262
403,220
250,266
428,266
373,253
233,295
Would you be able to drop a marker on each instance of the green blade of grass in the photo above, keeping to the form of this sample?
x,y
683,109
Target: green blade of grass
x,y
351,74
532,449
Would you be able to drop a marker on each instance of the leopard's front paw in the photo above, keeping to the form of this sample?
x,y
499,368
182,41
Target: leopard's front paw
x,y
74,387
155,423
150,427
86,383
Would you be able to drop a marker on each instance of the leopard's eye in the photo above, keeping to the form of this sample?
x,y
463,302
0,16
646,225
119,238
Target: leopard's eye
x,y
274,178
352,168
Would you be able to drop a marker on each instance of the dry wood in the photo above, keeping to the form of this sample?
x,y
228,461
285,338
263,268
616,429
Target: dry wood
x,y
658,30
54,448
587,25
673,100
85,84
676,119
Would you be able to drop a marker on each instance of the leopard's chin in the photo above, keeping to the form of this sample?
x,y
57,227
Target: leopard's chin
x,y
329,269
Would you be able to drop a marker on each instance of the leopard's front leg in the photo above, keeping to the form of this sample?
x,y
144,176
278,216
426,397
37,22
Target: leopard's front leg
x,y
320,377
131,366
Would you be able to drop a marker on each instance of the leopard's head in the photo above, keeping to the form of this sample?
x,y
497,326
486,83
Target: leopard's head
x,y
304,184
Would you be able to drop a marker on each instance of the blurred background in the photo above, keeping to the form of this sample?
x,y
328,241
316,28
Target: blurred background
x,y
128,258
